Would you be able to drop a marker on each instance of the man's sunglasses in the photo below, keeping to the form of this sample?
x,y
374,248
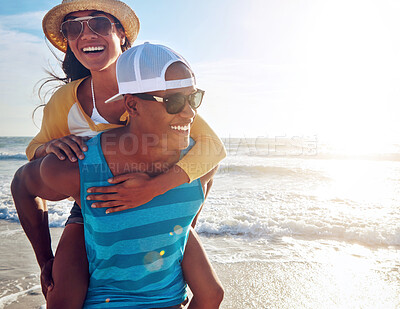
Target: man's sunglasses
x,y
175,103
72,29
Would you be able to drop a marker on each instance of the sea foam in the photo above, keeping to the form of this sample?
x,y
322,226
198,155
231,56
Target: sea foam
x,y
269,229
13,156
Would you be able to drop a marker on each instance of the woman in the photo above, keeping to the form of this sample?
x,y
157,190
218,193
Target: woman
x,y
134,256
95,34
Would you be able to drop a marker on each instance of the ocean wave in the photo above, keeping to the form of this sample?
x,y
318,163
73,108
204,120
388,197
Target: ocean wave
x,y
58,212
8,213
244,227
270,229
255,169
267,171
12,156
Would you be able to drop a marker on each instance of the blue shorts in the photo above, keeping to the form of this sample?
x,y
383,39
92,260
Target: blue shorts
x,y
75,215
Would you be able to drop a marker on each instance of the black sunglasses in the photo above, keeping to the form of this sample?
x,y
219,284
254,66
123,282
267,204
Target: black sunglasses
x,y
175,103
72,29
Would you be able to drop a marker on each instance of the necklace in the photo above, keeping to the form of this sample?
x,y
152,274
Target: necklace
x,y
96,117
93,99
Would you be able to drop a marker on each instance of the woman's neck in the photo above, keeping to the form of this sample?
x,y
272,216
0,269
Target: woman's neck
x,y
105,82
105,86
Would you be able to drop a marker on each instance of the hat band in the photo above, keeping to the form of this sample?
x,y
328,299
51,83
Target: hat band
x,y
180,83
151,85
154,84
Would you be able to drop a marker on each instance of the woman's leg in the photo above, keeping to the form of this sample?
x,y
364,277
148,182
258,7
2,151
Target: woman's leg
x,y
70,270
200,276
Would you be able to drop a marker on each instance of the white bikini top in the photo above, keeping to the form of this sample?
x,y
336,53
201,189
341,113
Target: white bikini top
x,y
96,117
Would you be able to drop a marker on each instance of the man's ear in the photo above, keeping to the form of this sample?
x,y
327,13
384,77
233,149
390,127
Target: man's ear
x,y
131,104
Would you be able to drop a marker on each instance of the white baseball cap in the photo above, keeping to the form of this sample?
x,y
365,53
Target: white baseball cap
x,y
142,69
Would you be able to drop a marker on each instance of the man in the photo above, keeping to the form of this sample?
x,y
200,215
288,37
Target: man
x,y
134,256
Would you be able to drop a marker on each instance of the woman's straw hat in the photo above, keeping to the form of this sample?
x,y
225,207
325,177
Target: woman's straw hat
x,y
53,19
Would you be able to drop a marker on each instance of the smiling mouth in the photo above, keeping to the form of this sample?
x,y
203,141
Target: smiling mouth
x,y
93,49
181,128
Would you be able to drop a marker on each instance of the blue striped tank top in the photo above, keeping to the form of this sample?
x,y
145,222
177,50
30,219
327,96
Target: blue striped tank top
x,y
135,255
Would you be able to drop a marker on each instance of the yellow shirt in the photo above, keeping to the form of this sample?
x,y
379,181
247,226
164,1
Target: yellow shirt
x,y
63,115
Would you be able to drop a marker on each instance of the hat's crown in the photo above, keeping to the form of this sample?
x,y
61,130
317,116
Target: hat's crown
x,y
142,69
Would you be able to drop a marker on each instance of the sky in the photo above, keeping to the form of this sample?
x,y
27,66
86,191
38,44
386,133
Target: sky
x,y
329,69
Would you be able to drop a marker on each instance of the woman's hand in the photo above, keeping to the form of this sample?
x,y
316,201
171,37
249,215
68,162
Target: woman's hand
x,y
135,189
71,146
130,190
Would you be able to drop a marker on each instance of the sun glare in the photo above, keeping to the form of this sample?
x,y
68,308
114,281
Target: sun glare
x,y
359,181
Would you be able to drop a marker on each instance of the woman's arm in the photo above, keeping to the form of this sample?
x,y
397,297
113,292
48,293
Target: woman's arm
x,y
205,154
54,135
135,189
54,122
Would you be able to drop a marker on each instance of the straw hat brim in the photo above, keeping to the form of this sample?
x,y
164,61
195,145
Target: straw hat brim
x,y
53,19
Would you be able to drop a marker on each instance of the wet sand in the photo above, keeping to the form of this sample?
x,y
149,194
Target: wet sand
x,y
19,272
263,284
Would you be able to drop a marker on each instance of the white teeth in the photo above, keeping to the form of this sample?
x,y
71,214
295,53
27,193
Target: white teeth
x,y
94,48
180,128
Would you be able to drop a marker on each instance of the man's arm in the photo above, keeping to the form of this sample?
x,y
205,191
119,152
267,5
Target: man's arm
x,y
47,178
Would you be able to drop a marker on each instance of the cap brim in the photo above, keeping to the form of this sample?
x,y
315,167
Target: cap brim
x,y
117,97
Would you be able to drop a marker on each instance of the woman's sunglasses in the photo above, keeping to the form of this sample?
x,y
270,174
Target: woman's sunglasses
x,y
72,29
175,103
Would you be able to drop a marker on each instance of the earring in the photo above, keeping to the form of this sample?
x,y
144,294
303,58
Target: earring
x,y
123,41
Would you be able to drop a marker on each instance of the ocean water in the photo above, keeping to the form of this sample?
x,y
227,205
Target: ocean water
x,y
333,217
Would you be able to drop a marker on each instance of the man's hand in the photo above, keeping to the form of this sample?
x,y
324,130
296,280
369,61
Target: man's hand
x,y
130,191
46,278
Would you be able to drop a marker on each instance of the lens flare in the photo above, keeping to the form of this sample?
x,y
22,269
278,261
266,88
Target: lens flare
x,y
153,261
178,229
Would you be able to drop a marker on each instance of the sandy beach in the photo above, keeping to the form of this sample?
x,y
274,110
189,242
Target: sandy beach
x,y
19,272
268,284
